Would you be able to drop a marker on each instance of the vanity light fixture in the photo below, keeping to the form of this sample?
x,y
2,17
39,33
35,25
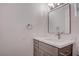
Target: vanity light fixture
x,y
54,5
50,5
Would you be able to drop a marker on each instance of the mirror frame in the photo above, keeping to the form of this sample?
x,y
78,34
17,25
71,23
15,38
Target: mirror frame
x,y
69,17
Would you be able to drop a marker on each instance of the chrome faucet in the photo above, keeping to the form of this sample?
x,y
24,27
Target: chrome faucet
x,y
59,34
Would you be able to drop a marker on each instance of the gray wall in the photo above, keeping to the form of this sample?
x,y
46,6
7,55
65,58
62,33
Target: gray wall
x,y
15,39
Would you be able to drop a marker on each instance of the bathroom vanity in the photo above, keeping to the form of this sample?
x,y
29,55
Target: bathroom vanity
x,y
58,23
48,48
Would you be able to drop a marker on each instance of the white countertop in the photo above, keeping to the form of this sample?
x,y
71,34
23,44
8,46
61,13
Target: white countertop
x,y
55,42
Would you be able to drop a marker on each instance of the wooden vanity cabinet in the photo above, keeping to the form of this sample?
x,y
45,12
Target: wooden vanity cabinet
x,y
44,49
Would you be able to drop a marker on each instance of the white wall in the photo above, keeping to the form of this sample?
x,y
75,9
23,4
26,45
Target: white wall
x,y
15,39
75,29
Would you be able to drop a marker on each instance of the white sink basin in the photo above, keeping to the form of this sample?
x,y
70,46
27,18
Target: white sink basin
x,y
64,41
60,42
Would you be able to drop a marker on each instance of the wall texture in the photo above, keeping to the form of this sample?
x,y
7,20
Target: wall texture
x,y
15,39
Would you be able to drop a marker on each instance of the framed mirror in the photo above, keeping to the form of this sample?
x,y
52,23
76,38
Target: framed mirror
x,y
59,19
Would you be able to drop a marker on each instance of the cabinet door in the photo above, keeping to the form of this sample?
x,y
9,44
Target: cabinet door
x,y
49,49
66,50
43,53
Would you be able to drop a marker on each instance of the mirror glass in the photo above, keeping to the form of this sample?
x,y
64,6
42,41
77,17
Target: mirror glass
x,y
59,19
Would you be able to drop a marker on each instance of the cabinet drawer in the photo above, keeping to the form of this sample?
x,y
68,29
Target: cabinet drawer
x,y
36,43
49,49
43,53
66,50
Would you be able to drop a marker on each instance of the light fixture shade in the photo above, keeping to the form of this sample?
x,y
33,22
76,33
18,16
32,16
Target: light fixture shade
x,y
53,5
50,5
